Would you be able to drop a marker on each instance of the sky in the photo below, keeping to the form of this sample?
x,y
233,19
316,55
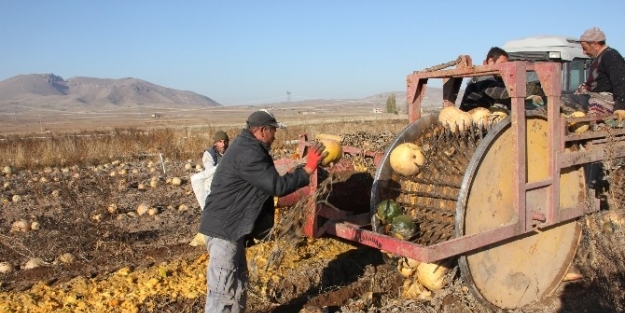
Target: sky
x,y
254,52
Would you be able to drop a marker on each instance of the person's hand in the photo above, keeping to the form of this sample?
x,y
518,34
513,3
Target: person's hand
x,y
620,115
316,153
581,89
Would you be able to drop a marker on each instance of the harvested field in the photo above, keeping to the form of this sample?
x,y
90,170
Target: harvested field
x,y
73,203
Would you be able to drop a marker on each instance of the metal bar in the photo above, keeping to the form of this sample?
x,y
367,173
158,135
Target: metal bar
x,y
310,211
549,74
513,74
415,251
594,134
330,212
538,184
451,87
472,71
416,94
568,159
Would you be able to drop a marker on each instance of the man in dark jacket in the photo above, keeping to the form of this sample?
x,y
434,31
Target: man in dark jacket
x,y
487,91
606,80
241,204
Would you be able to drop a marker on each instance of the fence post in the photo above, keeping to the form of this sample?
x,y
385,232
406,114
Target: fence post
x,y
162,163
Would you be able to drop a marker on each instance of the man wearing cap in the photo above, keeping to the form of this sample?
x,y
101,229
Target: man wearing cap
x,y
606,79
212,155
240,206
202,181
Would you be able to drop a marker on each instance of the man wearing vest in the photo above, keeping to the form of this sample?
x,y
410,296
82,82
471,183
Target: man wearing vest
x,y
201,182
212,155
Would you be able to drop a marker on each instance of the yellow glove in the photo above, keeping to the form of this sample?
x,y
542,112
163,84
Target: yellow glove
x,y
620,115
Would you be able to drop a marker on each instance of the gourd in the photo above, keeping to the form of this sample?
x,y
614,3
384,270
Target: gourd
x,y
497,114
402,227
578,127
387,210
480,116
334,149
406,159
432,275
454,118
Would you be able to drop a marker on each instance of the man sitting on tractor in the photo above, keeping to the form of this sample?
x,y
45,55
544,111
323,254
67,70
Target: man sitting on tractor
x,y
489,91
606,81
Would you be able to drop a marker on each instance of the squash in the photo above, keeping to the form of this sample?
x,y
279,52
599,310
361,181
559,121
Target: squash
x,y
334,149
497,114
402,227
480,116
387,210
454,118
406,159
432,275
578,127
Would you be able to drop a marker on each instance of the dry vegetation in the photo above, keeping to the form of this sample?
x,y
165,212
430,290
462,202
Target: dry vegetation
x,y
181,143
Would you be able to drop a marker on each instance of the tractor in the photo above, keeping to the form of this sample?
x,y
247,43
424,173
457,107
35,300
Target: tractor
x,y
504,199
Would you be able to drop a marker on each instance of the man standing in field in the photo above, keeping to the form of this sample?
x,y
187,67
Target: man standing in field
x,y
201,182
241,205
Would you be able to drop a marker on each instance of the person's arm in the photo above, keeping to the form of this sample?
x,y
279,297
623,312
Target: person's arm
x,y
261,172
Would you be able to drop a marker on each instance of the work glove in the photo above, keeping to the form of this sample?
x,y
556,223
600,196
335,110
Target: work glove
x,y
316,153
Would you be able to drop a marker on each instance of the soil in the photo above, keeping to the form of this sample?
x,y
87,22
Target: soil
x,y
123,259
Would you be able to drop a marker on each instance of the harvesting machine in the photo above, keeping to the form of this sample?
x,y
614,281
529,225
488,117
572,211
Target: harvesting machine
x,y
505,199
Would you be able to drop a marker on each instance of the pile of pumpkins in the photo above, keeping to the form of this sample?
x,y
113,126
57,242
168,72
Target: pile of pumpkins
x,y
459,121
422,278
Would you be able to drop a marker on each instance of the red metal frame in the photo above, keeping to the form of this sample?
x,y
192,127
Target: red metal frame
x,y
357,227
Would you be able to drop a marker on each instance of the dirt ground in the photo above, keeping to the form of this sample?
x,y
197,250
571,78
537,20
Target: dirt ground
x,y
98,254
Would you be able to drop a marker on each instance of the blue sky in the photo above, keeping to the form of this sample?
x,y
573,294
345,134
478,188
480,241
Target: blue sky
x,y
250,52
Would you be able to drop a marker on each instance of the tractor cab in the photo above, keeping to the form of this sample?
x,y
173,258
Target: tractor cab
x,y
560,49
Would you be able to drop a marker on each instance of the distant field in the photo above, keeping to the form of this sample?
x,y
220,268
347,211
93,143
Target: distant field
x,y
222,117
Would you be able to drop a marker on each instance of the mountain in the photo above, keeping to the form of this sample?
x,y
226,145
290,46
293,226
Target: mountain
x,y
50,90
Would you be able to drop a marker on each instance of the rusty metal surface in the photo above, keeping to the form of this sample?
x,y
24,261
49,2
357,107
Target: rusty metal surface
x,y
525,268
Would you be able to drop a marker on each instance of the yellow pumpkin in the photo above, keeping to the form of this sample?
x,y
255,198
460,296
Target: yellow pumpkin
x,y
406,159
454,118
480,116
334,149
432,275
578,127
497,114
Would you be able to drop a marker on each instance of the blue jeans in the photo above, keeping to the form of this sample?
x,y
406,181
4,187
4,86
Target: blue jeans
x,y
226,276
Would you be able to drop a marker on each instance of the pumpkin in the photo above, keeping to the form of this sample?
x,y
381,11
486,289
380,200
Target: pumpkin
x,y
334,149
406,159
405,271
454,118
402,227
497,114
432,275
578,127
387,210
480,116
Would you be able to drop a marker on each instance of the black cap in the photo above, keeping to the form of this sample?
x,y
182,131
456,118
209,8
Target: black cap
x,y
263,118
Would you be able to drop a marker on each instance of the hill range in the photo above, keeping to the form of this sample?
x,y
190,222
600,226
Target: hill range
x,y
49,91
